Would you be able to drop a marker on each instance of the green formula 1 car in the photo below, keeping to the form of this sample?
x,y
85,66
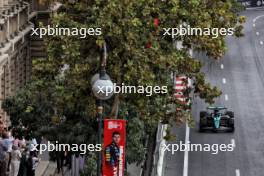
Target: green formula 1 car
x,y
217,118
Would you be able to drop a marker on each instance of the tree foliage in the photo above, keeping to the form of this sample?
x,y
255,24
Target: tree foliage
x,y
138,54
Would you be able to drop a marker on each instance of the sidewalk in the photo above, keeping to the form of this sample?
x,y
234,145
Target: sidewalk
x,y
48,168
42,167
45,167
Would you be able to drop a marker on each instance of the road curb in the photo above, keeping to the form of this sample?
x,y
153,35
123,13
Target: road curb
x,y
255,8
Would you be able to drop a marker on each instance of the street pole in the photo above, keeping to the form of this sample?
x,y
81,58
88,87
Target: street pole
x,y
100,125
100,109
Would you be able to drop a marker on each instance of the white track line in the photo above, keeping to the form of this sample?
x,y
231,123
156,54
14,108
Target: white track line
x,y
222,66
233,142
226,97
224,81
237,172
261,42
186,152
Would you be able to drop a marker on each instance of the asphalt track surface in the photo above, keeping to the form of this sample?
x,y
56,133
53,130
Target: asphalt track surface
x,y
240,75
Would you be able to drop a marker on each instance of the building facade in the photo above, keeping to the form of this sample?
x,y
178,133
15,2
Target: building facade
x,y
15,61
17,47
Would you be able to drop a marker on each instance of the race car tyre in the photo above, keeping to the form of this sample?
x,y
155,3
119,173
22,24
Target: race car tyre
x,y
231,122
230,114
203,120
203,114
232,129
201,128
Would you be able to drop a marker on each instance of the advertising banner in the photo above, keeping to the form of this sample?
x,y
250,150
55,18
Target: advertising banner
x,y
181,83
114,147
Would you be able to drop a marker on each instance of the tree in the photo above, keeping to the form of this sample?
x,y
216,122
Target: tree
x,y
138,55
